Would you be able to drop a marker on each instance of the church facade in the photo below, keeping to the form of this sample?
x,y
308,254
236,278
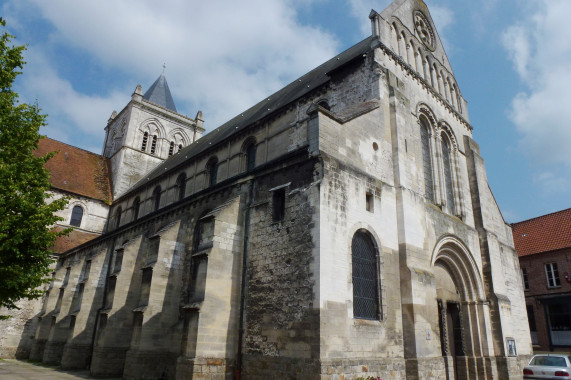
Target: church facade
x,y
341,228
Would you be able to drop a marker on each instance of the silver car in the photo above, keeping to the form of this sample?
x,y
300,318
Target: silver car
x,y
548,367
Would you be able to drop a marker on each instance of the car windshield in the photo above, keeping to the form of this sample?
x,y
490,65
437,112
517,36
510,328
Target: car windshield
x,y
550,361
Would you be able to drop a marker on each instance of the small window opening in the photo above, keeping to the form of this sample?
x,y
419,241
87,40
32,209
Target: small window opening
x,y
118,217
179,147
251,157
369,202
118,260
136,208
145,140
157,198
76,216
278,202
146,279
171,148
154,144
212,168
181,185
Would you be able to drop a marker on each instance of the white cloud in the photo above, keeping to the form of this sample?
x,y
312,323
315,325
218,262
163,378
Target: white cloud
x,y
222,57
540,49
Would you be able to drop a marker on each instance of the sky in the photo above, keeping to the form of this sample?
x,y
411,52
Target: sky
x,y
512,60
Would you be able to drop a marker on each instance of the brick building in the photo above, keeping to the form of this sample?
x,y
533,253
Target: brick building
x,y
544,248
341,227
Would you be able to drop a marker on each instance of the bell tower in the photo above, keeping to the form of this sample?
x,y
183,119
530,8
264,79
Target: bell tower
x,y
146,132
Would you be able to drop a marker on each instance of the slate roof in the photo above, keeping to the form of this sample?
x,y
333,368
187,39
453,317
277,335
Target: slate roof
x,y
295,90
76,170
160,94
543,234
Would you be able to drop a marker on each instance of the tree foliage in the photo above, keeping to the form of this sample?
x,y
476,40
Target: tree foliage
x,y
26,212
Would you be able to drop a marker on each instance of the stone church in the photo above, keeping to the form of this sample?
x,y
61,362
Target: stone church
x,y
343,227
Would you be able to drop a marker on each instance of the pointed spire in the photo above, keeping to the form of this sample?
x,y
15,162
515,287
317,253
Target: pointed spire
x,y
160,94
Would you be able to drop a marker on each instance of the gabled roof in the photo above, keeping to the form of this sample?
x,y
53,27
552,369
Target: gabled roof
x,y
295,90
160,94
543,234
76,170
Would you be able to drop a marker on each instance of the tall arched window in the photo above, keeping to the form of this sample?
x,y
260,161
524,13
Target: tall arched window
x,y
171,148
145,140
181,186
157,198
136,208
212,169
118,217
365,277
251,156
76,216
154,144
426,159
447,167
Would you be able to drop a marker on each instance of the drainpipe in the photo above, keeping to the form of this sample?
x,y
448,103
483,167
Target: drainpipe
x,y
243,285
95,326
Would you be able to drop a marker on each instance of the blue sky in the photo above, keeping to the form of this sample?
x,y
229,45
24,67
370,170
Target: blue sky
x,y
512,60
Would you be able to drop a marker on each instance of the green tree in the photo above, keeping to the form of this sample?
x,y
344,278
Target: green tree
x,y
26,210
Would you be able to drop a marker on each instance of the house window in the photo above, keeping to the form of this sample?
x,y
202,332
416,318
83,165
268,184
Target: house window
x,y
171,148
154,144
524,279
365,277
76,216
59,300
145,140
552,274
212,169
181,186
77,298
250,156
66,277
369,202
426,160
146,279
157,198
136,208
111,283
447,167
118,260
278,205
118,217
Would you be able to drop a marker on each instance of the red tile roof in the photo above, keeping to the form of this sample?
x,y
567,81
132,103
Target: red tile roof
x,y
76,170
543,234
74,239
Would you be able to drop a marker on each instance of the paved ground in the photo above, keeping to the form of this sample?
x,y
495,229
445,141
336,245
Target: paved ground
x,y
19,370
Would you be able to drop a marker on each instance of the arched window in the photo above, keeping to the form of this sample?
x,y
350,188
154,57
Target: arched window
x,y
212,169
365,277
154,144
447,167
136,208
426,159
76,216
181,186
157,198
171,148
118,217
251,156
179,147
145,140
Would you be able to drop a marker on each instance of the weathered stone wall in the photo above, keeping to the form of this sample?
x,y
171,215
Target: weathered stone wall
x,y
282,317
